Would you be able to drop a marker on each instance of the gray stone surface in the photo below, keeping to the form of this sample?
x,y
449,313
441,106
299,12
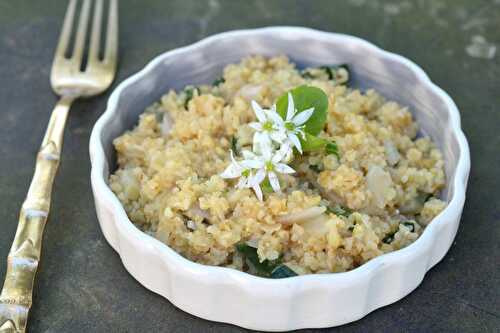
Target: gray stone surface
x,y
82,285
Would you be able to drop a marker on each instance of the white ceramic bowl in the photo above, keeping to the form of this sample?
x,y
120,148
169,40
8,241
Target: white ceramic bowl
x,y
231,296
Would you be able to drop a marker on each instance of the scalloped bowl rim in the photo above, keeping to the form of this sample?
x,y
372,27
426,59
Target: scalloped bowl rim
x,y
102,191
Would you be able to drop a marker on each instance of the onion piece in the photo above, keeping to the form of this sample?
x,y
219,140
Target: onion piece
x,y
316,226
379,183
249,91
254,242
392,153
166,124
197,211
302,216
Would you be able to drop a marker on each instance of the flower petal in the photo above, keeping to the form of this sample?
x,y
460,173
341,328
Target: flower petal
x,y
256,126
232,171
273,180
300,131
258,112
242,183
252,164
278,136
302,117
275,117
288,156
258,178
280,154
295,141
266,149
283,168
290,111
248,155
260,140
231,154
258,191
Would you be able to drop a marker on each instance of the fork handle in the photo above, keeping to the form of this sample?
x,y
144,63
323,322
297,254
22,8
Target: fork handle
x,y
24,255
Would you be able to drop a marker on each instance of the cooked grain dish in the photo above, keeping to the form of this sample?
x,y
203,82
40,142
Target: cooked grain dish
x,y
333,214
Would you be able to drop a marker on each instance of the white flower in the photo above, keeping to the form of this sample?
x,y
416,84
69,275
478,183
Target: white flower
x,y
272,132
294,123
238,170
272,127
268,163
269,125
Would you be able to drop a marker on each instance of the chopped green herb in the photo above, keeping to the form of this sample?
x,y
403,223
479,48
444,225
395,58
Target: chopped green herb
x,y
415,205
218,81
159,117
332,148
410,225
329,71
282,271
315,168
339,74
339,210
424,197
264,268
234,146
388,239
190,93
306,74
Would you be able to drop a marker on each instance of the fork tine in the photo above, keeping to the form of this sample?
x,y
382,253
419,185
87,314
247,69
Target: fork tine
x,y
81,33
96,32
62,45
112,34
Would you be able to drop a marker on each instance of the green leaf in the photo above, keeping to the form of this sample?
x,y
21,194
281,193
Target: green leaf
x,y
282,271
263,268
312,143
305,97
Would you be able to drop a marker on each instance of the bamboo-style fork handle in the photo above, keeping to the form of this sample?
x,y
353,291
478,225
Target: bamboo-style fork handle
x,y
70,81
24,256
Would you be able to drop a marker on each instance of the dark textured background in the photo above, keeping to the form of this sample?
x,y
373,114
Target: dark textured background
x,y
82,285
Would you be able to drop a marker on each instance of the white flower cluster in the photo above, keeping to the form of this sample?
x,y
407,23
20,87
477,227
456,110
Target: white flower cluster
x,y
273,142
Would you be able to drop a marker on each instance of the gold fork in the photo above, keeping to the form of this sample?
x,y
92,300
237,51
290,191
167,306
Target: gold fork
x,y
70,82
